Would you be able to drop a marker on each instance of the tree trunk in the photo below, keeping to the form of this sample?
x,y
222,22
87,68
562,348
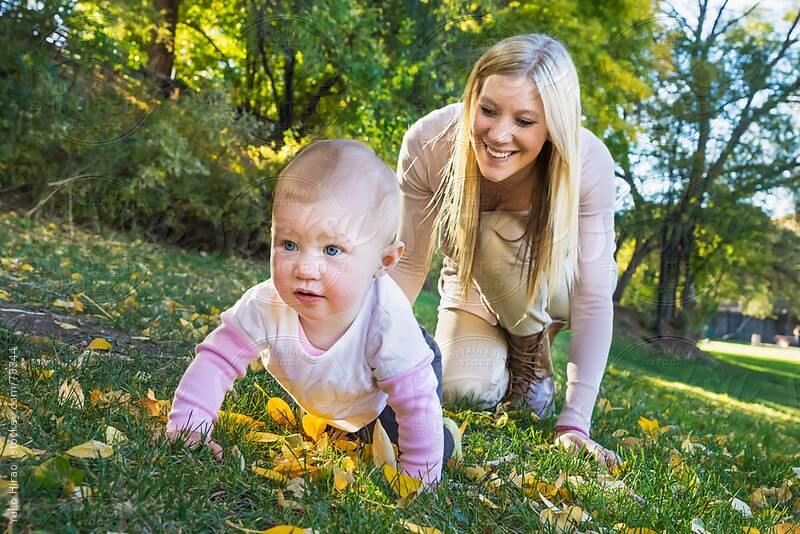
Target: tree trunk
x,y
640,252
668,276
162,48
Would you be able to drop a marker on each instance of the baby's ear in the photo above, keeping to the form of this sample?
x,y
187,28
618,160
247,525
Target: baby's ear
x,y
390,256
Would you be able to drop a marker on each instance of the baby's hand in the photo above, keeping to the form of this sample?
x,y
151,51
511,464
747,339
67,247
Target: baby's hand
x,y
575,441
191,440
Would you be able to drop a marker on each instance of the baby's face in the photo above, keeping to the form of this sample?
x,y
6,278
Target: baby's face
x,y
325,252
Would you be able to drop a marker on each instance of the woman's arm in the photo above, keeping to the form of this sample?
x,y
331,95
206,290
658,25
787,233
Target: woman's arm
x,y
422,156
414,231
591,308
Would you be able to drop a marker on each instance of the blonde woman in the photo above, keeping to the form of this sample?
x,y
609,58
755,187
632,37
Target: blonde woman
x,y
522,197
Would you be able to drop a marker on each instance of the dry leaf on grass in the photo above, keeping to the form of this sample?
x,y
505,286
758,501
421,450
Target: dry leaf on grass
x,y
271,474
341,478
314,426
155,407
280,412
402,484
70,393
382,450
99,343
741,507
114,436
91,449
233,418
565,520
416,529
108,398
262,437
11,449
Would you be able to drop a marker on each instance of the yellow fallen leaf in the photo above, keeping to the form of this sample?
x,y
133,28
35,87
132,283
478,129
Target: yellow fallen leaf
x,y
13,403
66,326
12,449
286,529
476,473
402,484
233,418
565,520
416,529
750,530
283,502
650,427
382,450
114,436
784,528
622,528
99,398
604,405
485,500
77,305
71,394
5,295
91,449
314,426
99,343
341,478
155,407
269,473
280,412
345,445
262,437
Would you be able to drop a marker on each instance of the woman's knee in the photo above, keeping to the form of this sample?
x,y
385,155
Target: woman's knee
x,y
474,357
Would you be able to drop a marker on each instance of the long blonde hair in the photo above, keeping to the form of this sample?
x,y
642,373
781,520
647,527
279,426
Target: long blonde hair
x,y
551,237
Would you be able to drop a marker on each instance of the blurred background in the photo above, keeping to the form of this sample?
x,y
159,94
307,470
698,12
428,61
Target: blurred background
x,y
170,119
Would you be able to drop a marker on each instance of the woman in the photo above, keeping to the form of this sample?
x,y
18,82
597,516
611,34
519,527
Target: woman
x,y
523,199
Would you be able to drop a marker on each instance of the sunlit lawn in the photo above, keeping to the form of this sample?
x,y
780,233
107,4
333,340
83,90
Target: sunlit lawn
x,y
712,431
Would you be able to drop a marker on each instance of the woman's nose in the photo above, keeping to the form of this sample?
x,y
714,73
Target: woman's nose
x,y
500,131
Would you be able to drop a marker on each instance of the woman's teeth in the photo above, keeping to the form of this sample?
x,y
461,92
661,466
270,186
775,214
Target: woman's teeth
x,y
498,155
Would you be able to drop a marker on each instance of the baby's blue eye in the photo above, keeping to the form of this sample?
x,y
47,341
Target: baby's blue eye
x,y
289,246
332,250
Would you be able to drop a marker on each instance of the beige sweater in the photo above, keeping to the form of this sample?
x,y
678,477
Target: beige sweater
x,y
423,156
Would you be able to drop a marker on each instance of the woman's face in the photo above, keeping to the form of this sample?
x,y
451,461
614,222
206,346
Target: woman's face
x,y
509,128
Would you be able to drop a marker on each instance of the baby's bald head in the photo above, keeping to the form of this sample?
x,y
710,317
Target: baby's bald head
x,y
346,172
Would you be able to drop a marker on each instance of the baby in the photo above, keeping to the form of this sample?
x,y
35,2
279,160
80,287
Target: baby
x,y
337,334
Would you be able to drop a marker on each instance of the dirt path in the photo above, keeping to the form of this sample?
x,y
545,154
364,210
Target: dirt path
x,y
44,323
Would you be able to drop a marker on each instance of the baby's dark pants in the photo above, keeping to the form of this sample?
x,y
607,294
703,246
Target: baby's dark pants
x,y
389,420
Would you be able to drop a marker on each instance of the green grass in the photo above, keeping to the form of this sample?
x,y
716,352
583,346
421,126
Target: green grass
x,y
742,437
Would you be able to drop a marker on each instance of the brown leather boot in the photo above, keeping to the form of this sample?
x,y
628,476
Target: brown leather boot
x,y
529,362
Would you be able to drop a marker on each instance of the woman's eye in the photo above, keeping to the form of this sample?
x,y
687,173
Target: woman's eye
x,y
289,246
332,250
525,122
487,111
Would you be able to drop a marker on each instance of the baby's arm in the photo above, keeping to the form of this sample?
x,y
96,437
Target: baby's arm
x,y
412,396
220,359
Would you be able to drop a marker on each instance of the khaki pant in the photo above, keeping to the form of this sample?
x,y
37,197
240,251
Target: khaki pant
x,y
471,330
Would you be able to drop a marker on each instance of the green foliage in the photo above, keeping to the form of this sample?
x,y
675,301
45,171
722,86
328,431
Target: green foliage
x,y
89,135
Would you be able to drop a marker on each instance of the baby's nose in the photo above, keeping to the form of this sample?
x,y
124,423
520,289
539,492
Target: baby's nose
x,y
310,268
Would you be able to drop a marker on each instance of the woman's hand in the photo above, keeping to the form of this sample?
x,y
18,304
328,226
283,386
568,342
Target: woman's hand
x,y
191,440
577,441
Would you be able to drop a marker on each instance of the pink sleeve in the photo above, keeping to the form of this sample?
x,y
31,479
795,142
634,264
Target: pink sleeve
x,y
412,396
220,359
591,308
